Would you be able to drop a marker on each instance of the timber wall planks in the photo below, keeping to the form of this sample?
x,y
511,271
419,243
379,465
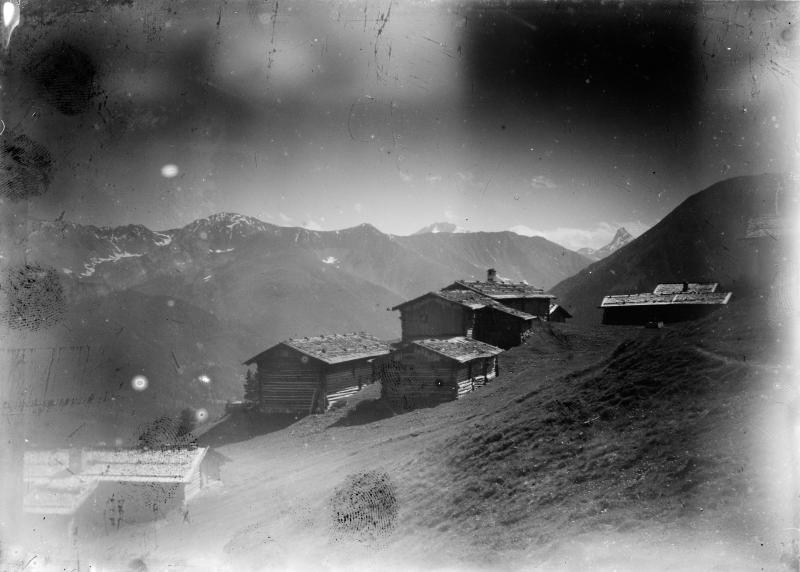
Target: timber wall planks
x,y
415,377
499,329
291,382
434,317
534,306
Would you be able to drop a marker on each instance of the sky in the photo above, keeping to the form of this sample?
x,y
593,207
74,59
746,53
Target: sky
x,y
560,119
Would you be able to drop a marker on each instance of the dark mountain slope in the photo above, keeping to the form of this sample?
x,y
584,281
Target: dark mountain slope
x,y
701,240
534,259
268,294
79,375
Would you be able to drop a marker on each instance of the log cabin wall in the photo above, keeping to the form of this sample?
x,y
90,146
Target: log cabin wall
x,y
464,379
290,381
499,328
639,315
343,375
475,374
434,317
210,468
415,377
534,306
116,504
192,488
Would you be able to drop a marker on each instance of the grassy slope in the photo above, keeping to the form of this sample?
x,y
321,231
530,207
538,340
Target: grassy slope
x,y
699,241
598,448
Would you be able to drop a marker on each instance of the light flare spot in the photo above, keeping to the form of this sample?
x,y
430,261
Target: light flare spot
x,y
204,379
139,383
169,171
170,303
9,11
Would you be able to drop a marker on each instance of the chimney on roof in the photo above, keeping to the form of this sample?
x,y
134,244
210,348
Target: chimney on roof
x,y
491,275
685,286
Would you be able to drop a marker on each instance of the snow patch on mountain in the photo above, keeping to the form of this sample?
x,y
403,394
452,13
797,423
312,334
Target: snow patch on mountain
x,y
165,239
89,267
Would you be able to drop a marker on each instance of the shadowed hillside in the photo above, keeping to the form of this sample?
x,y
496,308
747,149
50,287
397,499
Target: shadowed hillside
x,y
79,376
700,241
468,255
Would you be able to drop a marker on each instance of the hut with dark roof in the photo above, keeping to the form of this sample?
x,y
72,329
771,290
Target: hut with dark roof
x,y
427,372
517,295
466,313
306,375
673,302
559,313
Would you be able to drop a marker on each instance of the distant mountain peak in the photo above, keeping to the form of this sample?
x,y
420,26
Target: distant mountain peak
x,y
441,227
621,238
622,234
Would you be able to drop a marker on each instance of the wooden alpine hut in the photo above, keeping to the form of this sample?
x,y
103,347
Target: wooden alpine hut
x,y
673,302
102,489
452,313
517,295
306,375
427,372
559,313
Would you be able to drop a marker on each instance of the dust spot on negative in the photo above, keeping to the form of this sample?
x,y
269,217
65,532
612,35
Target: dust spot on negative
x,y
25,168
137,565
139,383
65,76
169,171
31,298
364,508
